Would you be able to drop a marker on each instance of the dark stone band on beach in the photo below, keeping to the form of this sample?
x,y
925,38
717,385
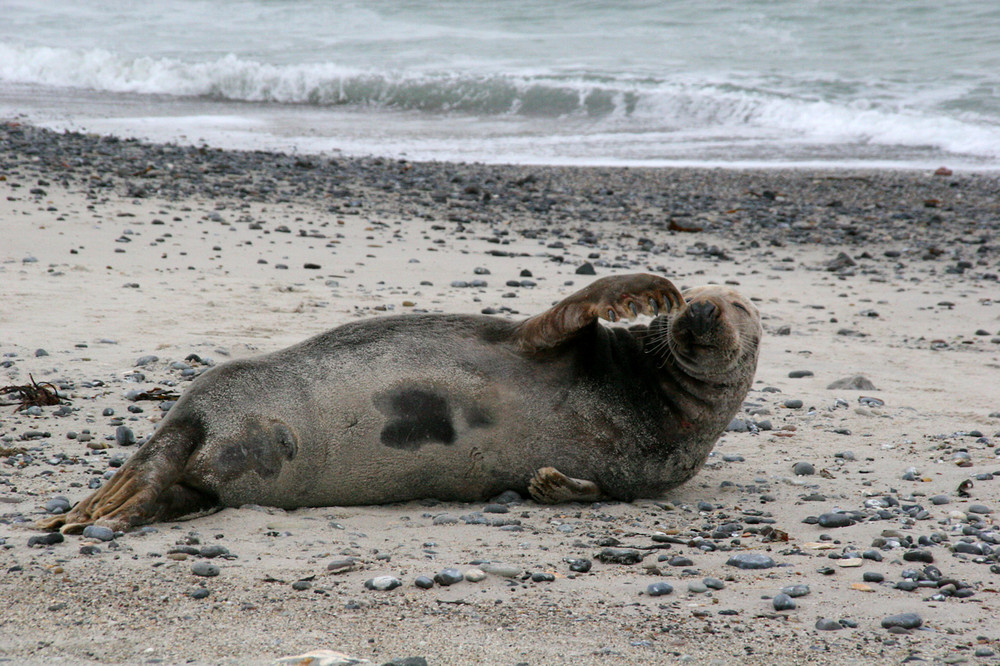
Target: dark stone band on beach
x,y
930,215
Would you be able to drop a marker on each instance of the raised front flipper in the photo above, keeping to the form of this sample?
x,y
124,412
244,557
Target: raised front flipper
x,y
611,298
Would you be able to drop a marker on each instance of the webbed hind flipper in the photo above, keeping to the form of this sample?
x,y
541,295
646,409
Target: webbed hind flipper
x,y
145,489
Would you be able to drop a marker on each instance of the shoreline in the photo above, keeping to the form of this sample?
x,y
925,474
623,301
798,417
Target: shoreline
x,y
114,250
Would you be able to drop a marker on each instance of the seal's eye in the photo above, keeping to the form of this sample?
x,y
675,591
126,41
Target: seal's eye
x,y
741,307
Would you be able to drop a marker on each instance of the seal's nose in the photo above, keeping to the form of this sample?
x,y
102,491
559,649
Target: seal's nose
x,y
702,315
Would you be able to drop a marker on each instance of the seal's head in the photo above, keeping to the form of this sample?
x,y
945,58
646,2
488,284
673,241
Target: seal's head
x,y
716,334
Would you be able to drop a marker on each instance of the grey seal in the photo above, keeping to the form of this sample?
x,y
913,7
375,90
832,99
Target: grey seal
x,y
454,407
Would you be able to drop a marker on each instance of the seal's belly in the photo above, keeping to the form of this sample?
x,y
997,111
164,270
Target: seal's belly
x,y
445,428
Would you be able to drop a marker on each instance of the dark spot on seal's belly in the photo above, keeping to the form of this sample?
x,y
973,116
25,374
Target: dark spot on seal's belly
x,y
260,448
414,417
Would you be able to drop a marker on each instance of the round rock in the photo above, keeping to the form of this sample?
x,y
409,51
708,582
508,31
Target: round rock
x,y
783,602
659,589
98,532
204,569
448,577
383,583
124,436
750,561
804,469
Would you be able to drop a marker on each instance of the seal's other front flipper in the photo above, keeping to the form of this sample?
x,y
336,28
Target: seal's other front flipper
x,y
550,486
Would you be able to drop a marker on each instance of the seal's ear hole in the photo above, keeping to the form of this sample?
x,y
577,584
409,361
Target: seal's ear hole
x,y
285,439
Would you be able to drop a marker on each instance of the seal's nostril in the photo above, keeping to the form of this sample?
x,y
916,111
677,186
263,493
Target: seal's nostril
x,y
702,315
703,309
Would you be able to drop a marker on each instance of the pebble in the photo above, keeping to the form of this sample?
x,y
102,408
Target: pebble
x,y
619,556
783,602
213,551
796,591
804,469
918,556
872,577
580,565
542,577
793,403
200,593
341,566
58,504
475,575
904,620
449,576
799,374
979,508
204,569
98,532
697,587
836,520
659,589
750,561
502,570
383,583
680,561
424,582
714,583
124,436
46,539
826,624
855,383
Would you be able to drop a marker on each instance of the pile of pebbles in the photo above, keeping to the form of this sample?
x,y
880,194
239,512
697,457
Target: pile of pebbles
x,y
911,212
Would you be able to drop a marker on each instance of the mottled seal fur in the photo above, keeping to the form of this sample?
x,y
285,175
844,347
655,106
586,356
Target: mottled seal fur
x,y
454,407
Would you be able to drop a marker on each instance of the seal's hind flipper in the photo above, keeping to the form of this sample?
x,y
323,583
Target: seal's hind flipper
x,y
612,298
145,489
550,486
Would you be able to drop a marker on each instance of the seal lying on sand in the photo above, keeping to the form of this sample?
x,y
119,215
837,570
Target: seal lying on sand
x,y
454,407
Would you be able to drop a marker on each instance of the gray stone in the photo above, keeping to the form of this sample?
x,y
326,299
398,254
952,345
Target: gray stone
x,y
204,569
783,602
619,556
448,577
826,624
804,469
383,583
855,383
904,620
98,532
836,520
750,561
124,436
795,591
502,570
659,589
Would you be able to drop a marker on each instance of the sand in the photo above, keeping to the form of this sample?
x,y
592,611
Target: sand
x,y
98,279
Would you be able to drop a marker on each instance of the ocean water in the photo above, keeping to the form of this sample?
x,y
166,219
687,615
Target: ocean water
x,y
898,83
